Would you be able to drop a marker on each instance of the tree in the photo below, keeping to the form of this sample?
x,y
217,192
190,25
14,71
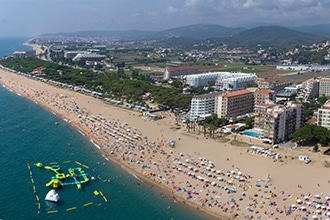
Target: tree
x,y
188,124
324,140
248,122
303,134
135,74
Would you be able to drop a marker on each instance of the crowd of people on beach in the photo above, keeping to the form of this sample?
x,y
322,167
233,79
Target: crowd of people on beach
x,y
192,177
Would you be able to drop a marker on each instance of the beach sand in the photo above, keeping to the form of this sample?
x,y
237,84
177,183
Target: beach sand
x,y
217,178
38,48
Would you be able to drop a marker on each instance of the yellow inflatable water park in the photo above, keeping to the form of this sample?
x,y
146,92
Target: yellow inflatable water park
x,y
75,176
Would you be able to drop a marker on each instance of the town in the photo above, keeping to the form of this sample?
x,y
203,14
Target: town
x,y
224,90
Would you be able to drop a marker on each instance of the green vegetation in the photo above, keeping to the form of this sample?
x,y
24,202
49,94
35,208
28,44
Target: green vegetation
x,y
130,86
312,133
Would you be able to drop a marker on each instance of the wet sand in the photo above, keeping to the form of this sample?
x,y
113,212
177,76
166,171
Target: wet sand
x,y
217,178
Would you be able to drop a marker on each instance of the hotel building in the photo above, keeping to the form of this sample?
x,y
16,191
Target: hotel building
x,y
223,80
202,105
232,104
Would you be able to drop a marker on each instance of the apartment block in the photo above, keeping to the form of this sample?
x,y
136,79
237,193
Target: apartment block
x,y
263,96
323,115
324,86
278,122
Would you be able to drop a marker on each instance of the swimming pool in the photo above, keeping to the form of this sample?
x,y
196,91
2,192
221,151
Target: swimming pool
x,y
252,133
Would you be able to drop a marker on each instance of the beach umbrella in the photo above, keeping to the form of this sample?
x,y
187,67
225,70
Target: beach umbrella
x,y
234,214
328,214
319,201
317,196
298,201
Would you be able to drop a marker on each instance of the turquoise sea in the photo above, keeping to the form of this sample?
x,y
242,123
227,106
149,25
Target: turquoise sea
x,y
30,134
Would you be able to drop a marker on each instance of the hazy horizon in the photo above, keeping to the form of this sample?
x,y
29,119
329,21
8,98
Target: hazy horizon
x,y
31,18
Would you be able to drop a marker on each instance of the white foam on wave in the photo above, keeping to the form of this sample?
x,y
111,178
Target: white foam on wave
x,y
95,144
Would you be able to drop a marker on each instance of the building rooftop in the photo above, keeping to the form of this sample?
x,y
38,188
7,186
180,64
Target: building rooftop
x,y
263,91
208,95
180,68
237,93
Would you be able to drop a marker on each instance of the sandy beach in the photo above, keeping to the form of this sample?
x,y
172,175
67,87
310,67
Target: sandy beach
x,y
220,179
38,48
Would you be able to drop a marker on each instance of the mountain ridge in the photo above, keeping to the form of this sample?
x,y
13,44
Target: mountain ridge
x,y
249,38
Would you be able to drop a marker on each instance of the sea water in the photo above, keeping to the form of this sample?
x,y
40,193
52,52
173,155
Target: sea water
x,y
29,134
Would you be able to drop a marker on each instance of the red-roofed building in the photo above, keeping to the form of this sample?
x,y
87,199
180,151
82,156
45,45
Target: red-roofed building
x,y
263,96
39,71
234,104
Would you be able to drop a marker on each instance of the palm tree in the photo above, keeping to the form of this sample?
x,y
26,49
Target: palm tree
x,y
212,129
188,122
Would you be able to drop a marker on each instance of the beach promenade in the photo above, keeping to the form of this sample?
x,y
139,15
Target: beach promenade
x,y
223,180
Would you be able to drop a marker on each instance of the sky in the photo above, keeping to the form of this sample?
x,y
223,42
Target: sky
x,y
34,17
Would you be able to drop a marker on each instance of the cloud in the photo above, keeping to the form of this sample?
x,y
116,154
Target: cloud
x,y
73,15
171,9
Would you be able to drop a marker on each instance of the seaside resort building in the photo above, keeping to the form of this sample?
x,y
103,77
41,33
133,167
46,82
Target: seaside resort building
x,y
24,54
176,72
234,81
89,57
223,80
202,106
278,122
233,104
323,115
201,79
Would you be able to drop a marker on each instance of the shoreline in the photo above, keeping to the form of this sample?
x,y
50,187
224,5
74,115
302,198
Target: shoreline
x,y
172,169
159,187
36,47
